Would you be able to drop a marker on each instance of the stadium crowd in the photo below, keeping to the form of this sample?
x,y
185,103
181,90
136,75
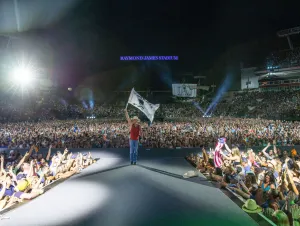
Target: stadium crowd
x,y
54,122
252,104
267,105
283,59
26,177
196,133
268,181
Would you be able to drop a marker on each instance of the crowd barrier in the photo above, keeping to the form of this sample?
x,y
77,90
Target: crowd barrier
x,y
120,152
143,152
282,148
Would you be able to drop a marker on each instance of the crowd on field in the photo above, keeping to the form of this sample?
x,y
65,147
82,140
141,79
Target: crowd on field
x,y
200,132
24,177
268,181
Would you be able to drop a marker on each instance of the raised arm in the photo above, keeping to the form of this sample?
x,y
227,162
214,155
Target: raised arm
x,y
265,153
227,148
244,187
14,177
2,192
29,153
290,178
127,117
2,163
275,151
266,148
49,153
30,173
36,186
62,157
205,155
257,159
22,160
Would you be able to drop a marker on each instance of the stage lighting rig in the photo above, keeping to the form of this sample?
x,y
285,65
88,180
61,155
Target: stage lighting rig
x,y
23,75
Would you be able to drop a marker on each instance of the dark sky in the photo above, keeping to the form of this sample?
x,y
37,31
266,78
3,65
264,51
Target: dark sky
x,y
91,37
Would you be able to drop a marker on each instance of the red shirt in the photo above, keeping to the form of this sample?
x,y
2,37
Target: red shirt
x,y
135,132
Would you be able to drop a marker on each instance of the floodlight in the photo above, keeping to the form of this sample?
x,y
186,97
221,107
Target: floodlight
x,y
23,75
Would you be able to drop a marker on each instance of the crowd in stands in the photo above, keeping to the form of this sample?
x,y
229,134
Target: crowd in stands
x,y
283,59
268,105
268,181
25,177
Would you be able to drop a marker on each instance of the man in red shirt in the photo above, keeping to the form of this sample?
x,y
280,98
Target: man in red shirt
x,y
135,133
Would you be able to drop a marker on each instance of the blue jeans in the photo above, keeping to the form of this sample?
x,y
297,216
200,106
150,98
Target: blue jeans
x,y
134,144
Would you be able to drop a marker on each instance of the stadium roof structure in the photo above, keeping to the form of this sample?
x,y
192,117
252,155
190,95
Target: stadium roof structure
x,y
279,74
278,71
288,32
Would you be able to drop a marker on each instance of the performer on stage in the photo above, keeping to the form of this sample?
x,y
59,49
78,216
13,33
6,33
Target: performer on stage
x,y
135,133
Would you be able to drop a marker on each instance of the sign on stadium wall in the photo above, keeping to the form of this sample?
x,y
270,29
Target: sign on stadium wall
x,y
184,90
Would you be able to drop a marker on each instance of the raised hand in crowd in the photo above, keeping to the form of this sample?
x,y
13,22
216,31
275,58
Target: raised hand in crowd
x,y
295,210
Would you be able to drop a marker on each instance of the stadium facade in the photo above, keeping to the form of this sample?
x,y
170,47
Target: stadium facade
x,y
270,79
281,71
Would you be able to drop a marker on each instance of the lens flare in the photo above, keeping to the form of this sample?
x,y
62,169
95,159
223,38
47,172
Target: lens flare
x,y
22,75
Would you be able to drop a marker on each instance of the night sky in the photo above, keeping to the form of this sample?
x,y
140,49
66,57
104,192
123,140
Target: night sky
x,y
88,40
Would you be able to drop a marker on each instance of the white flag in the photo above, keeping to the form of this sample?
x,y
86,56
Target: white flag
x,y
143,105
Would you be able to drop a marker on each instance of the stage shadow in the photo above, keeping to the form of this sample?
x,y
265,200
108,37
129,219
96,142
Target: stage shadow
x,y
133,194
101,171
197,180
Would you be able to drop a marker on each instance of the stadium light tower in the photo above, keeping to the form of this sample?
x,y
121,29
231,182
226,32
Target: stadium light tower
x,y
287,33
213,87
199,79
20,69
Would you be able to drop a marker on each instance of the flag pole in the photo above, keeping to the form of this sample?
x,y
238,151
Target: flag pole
x,y
128,99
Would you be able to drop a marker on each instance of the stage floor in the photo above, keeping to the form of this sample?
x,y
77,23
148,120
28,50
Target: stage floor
x,y
114,193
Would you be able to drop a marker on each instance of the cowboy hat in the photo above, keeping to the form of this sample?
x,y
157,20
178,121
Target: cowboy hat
x,y
190,174
23,184
135,118
250,206
272,162
250,172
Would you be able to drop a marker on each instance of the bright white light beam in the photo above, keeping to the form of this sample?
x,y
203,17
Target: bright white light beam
x,y
23,75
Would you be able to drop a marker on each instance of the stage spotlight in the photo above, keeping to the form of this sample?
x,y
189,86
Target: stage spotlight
x,y
23,75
